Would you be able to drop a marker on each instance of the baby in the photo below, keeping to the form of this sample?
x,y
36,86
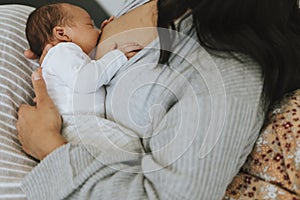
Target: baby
x,y
74,81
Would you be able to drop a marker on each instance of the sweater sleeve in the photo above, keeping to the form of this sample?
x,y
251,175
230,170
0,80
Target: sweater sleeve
x,y
99,72
175,165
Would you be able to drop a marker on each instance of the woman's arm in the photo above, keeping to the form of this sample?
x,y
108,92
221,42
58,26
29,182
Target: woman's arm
x,y
176,171
174,165
44,118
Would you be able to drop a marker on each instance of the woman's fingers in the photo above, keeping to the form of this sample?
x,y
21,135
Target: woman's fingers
x,y
107,21
103,24
40,89
39,126
22,127
111,18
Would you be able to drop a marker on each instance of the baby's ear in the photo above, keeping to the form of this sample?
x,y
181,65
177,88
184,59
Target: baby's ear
x,y
60,34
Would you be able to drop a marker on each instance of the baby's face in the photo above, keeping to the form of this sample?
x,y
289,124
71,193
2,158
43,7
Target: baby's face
x,y
83,32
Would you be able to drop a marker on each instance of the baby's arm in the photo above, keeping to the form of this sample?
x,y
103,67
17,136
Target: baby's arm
x,y
97,73
71,65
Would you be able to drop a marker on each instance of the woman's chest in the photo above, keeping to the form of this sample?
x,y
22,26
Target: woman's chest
x,y
140,97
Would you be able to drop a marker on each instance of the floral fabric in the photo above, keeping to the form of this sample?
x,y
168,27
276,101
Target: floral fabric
x,y
272,170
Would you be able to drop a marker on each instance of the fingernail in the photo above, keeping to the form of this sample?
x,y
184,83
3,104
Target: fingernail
x,y
36,76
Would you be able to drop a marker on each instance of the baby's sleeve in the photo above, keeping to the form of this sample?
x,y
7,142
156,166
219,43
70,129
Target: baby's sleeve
x,y
74,68
64,61
91,76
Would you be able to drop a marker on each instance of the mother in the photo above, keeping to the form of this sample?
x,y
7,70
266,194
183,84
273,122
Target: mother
x,y
197,115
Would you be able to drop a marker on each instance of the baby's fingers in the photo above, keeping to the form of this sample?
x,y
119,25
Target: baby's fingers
x,y
130,47
30,55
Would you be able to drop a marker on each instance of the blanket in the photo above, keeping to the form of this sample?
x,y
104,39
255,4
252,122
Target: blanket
x,y
272,170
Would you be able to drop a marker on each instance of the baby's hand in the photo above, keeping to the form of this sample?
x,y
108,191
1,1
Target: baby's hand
x,y
129,49
30,55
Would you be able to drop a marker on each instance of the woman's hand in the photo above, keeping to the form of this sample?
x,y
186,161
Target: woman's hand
x,y
107,21
31,55
39,126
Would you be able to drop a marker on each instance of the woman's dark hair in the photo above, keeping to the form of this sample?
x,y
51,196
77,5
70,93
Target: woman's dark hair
x,y
268,31
40,24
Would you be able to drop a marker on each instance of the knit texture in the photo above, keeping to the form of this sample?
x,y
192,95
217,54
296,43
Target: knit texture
x,y
197,121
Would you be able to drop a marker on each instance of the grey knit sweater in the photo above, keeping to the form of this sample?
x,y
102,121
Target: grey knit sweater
x,y
196,121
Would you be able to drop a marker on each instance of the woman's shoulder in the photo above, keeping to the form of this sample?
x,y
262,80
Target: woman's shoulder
x,y
242,77
238,75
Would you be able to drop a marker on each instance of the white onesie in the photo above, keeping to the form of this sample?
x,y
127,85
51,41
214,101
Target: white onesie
x,y
75,81
75,84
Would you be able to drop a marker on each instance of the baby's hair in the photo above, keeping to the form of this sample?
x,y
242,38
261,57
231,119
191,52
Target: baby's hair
x,y
41,22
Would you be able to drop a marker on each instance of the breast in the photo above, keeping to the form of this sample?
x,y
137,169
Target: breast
x,y
139,25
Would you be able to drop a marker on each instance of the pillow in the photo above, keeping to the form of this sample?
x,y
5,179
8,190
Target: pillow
x,y
15,89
